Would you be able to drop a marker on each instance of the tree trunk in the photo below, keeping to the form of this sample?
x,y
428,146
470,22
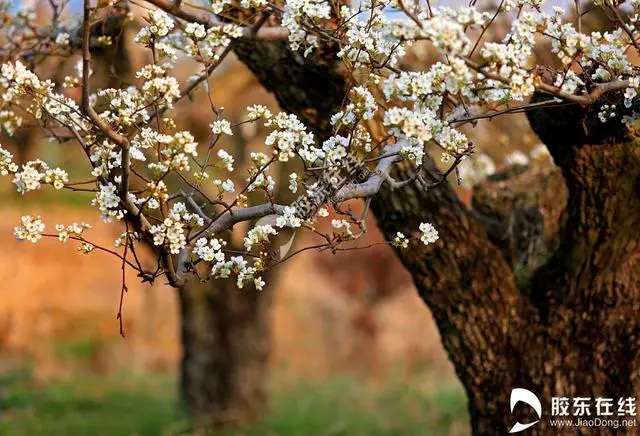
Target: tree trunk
x,y
522,300
536,285
226,341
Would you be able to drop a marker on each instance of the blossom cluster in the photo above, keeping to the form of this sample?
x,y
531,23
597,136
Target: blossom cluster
x,y
181,192
33,174
30,229
160,24
209,43
298,11
172,231
72,230
290,137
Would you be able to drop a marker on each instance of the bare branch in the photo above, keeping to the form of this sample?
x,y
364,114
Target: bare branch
x,y
232,217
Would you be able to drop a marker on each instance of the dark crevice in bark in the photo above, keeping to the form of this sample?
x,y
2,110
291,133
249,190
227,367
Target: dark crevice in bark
x,y
524,214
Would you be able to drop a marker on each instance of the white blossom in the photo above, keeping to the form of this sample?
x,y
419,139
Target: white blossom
x,y
342,224
257,235
31,176
221,127
108,202
400,240
31,228
429,233
86,248
257,112
288,218
62,39
295,12
228,186
195,31
259,283
56,177
226,160
290,136
160,24
7,166
209,250
293,182
73,229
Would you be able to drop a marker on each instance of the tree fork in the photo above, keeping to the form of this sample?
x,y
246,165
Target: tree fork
x,y
551,312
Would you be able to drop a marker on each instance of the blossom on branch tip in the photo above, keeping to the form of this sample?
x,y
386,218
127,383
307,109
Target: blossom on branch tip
x,y
293,182
86,248
257,235
73,229
209,250
160,24
288,218
258,111
226,160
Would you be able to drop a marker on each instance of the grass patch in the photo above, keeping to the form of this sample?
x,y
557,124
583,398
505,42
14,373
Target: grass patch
x,y
90,405
127,405
351,407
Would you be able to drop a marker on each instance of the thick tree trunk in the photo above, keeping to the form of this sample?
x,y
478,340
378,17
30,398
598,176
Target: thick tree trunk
x,y
467,284
545,306
226,342
537,285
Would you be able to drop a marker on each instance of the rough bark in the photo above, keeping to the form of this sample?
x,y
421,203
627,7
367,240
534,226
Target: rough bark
x,y
536,286
310,87
468,285
226,342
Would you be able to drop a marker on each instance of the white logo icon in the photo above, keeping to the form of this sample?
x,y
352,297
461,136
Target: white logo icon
x,y
528,397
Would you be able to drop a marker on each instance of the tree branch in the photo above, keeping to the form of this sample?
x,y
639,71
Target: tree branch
x,y
133,212
585,99
227,220
372,185
522,210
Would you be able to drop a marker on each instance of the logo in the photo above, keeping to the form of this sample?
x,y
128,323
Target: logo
x,y
525,396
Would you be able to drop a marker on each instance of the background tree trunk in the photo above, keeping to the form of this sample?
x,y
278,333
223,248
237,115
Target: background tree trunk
x,y
226,340
536,286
